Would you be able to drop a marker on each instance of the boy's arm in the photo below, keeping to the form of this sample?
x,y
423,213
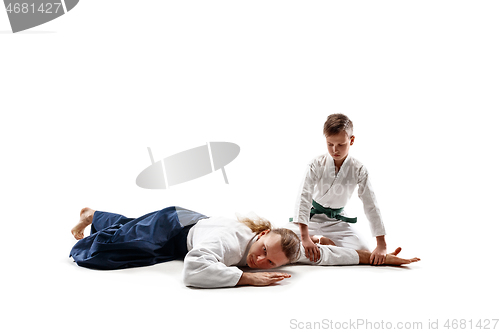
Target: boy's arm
x,y
304,200
378,255
303,209
370,205
311,250
372,212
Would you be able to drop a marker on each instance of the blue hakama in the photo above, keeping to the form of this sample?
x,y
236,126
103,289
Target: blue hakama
x,y
117,242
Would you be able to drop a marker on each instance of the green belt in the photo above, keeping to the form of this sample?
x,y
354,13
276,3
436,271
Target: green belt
x,y
331,213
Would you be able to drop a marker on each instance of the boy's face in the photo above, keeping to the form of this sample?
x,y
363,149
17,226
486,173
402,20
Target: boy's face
x,y
338,146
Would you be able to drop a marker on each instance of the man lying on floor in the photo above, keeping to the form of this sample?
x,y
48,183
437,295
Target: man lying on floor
x,y
211,247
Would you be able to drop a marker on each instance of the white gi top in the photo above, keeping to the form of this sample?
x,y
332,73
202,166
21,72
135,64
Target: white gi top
x,y
332,190
217,243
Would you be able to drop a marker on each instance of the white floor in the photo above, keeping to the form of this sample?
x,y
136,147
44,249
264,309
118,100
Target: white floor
x,y
83,96
47,290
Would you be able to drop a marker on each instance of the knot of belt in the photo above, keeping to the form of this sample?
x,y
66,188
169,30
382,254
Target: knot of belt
x,y
331,213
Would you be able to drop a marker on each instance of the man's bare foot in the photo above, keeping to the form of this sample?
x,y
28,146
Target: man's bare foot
x,y
86,217
322,240
392,259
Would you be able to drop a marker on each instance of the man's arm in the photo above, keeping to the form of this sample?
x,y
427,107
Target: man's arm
x,y
261,278
203,268
333,255
390,259
330,255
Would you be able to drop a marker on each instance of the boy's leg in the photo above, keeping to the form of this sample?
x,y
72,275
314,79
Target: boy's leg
x,y
341,233
314,228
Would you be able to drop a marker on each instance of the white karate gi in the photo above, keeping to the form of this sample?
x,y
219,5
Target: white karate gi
x,y
333,190
217,244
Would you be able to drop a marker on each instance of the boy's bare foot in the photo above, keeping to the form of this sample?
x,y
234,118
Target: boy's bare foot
x,y
392,259
86,217
322,240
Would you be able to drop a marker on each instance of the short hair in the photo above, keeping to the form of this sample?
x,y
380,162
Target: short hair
x,y
336,123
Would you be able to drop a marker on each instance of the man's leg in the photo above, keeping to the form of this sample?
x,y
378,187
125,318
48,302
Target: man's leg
x,y
98,220
86,217
119,242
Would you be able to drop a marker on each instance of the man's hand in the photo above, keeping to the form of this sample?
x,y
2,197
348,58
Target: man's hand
x,y
378,256
391,258
261,278
311,250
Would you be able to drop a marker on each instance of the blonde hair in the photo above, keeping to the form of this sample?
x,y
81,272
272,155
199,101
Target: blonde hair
x,y
257,224
290,242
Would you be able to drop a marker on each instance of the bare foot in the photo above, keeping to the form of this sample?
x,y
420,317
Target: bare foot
x,y
86,217
322,240
392,259
326,241
315,239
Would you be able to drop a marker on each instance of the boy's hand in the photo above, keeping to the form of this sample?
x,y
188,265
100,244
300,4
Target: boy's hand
x,y
378,256
311,249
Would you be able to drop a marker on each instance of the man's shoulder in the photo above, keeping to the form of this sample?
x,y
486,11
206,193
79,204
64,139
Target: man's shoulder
x,y
223,225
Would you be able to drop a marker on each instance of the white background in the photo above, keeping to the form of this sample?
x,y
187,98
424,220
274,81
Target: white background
x,y
83,96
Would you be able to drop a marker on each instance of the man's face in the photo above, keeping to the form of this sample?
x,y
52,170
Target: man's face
x,y
266,252
338,145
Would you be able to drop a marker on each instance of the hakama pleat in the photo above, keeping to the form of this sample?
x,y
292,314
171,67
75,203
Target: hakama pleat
x,y
119,242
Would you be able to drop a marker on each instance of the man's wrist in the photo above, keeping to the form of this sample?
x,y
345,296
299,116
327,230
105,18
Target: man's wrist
x,y
245,279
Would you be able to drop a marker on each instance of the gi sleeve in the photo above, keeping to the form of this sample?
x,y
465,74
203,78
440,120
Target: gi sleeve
x,y
204,268
331,256
304,200
367,196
